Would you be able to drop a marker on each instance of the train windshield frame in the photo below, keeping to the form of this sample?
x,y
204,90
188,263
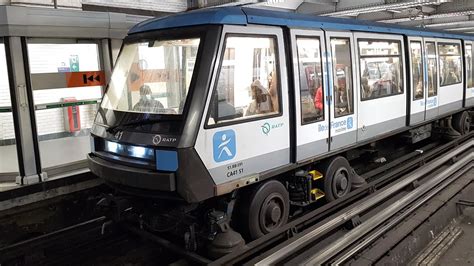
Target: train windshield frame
x,y
168,121
153,76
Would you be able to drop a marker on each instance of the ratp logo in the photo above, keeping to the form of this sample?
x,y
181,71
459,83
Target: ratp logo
x,y
224,145
266,128
350,123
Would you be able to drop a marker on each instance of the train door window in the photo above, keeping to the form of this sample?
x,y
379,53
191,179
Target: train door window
x,y
381,68
469,66
449,64
311,79
342,75
416,70
247,84
432,69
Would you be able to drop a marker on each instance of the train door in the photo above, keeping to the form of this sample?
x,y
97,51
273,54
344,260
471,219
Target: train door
x,y
382,103
343,121
246,129
311,93
469,73
451,88
417,80
431,70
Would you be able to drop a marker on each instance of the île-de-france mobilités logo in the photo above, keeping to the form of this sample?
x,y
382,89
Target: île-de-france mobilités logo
x,y
224,145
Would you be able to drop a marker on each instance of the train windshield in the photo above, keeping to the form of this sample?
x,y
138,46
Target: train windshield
x,y
152,77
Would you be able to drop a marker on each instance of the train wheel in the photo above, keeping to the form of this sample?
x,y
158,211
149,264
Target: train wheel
x,y
337,178
264,209
462,122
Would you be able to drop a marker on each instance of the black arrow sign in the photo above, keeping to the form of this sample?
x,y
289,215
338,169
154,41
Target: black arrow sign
x,y
90,78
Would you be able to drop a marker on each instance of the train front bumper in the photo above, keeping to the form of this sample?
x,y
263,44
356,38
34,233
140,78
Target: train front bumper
x,y
131,176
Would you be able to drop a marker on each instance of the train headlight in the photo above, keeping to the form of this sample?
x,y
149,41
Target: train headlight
x,y
129,150
137,152
166,160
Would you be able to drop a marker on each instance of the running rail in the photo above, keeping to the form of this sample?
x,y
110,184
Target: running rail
x,y
374,221
436,188
341,219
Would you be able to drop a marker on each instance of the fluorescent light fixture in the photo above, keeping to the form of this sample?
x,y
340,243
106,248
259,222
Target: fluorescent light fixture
x,y
428,17
376,8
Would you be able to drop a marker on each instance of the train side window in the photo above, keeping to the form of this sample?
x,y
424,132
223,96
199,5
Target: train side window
x,y
311,79
381,68
449,64
469,68
432,69
342,74
247,84
416,70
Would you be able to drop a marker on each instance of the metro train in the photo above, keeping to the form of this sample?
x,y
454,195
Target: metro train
x,y
236,114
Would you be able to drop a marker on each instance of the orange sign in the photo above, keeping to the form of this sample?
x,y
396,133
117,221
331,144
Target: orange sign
x,y
83,79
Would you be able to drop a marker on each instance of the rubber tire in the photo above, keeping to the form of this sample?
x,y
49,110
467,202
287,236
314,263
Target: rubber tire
x,y
251,204
329,169
459,122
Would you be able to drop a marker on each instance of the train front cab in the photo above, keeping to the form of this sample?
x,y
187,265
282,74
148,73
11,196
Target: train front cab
x,y
145,129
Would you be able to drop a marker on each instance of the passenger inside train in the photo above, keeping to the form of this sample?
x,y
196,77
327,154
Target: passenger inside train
x,y
146,102
248,84
450,64
341,100
380,69
416,70
273,89
261,102
318,97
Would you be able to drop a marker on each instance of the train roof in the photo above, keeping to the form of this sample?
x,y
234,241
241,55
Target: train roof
x,y
244,16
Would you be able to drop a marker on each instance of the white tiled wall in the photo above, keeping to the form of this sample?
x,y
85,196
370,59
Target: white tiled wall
x,y
6,119
47,58
8,156
6,126
4,86
51,121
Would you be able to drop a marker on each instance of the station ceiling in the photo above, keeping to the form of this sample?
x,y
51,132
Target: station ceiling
x,y
450,15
